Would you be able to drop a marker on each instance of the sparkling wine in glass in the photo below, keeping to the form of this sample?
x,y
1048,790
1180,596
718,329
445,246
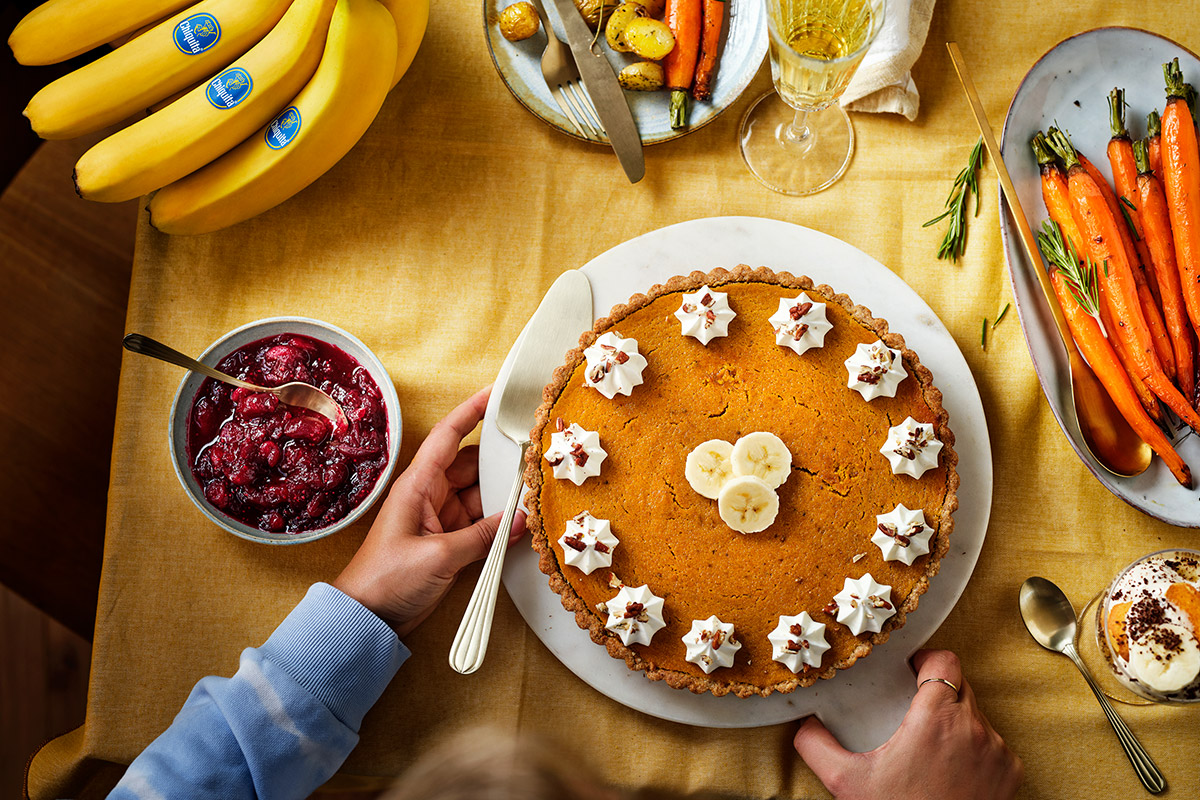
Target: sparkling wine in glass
x,y
797,140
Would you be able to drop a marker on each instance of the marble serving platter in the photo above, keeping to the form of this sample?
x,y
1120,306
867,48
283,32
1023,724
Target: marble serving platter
x,y
1068,87
863,706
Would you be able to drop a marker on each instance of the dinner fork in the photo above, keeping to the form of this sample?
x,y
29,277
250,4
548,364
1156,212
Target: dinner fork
x,y
566,87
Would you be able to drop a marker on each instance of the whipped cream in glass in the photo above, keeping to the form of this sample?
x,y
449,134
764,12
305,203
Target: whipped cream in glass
x,y
1149,626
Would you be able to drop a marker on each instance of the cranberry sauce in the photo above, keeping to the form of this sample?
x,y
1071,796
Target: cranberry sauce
x,y
279,468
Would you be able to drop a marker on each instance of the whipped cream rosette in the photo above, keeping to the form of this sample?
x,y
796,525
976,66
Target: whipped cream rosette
x,y
875,370
864,605
588,543
705,315
575,453
797,641
800,323
912,448
614,365
635,615
902,534
710,644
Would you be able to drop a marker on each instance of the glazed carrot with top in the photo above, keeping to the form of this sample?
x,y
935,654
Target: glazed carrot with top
x,y
1103,360
1157,227
1120,158
1124,241
710,42
683,17
1099,229
1058,206
1181,179
1153,148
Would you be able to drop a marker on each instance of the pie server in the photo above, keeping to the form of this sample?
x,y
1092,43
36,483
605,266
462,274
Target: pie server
x,y
564,313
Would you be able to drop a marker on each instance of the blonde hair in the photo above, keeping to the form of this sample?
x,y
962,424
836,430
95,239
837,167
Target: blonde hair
x,y
491,764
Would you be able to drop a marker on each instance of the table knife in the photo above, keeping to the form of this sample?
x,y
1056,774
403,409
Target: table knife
x,y
606,93
564,313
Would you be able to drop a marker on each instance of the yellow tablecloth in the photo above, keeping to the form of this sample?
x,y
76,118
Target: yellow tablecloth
x,y
433,241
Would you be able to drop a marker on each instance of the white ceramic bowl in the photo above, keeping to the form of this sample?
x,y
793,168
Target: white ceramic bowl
x,y
264,329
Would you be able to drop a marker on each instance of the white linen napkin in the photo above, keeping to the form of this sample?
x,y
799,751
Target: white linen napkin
x,y
884,78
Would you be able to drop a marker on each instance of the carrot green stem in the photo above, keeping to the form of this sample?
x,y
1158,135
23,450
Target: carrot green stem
x,y
1116,113
1141,157
679,108
1153,124
1041,149
1060,143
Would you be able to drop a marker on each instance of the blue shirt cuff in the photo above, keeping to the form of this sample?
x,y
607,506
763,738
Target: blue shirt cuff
x,y
337,649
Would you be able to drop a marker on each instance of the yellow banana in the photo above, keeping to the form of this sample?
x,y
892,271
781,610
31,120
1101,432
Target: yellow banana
x,y
412,17
211,119
324,121
61,29
175,54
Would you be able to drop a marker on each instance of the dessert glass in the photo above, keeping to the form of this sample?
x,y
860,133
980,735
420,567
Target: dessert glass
x,y
1147,618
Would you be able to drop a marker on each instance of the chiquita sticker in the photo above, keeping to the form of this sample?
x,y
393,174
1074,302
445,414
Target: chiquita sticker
x,y
283,129
229,88
197,33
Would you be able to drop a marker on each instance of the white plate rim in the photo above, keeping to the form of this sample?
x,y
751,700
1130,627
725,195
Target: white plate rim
x,y
881,682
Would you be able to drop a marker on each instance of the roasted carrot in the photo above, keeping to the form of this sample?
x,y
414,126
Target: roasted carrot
x,y
1058,206
1181,179
1120,158
683,17
1153,148
1098,352
1157,226
710,43
1150,312
1100,230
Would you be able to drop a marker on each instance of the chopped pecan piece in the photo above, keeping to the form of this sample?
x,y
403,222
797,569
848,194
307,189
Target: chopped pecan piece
x,y
601,547
575,542
633,610
621,357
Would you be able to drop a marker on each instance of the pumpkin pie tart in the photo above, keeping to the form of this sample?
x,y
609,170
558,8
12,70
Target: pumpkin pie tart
x,y
814,512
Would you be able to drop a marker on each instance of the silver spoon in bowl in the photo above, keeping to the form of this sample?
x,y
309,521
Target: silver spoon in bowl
x,y
300,395
1050,618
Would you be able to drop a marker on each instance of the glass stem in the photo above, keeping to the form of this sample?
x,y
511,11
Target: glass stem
x,y
798,135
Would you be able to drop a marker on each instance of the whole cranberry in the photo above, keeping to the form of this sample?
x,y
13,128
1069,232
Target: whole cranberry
x,y
312,429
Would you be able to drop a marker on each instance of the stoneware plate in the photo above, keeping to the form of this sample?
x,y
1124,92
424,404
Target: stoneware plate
x,y
862,705
1069,88
265,329
519,65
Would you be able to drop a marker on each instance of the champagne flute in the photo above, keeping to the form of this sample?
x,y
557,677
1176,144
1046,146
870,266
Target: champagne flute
x,y
797,140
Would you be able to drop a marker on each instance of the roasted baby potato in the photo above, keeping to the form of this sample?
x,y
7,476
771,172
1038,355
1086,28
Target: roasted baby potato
x,y
649,38
654,8
593,10
642,76
519,21
617,21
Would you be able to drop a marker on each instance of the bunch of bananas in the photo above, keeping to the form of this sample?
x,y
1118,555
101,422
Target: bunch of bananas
x,y
250,100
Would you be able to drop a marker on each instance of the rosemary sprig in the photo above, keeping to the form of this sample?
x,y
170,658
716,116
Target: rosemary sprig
x,y
1080,278
967,182
1000,316
983,335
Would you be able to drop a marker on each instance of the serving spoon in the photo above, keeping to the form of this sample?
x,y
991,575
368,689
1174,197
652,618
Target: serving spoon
x,y
300,395
1050,618
1106,434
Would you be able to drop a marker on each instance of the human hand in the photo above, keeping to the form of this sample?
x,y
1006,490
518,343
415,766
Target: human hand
x,y
429,527
945,749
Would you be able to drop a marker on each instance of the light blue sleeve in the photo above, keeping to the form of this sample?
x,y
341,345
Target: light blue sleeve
x,y
285,722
